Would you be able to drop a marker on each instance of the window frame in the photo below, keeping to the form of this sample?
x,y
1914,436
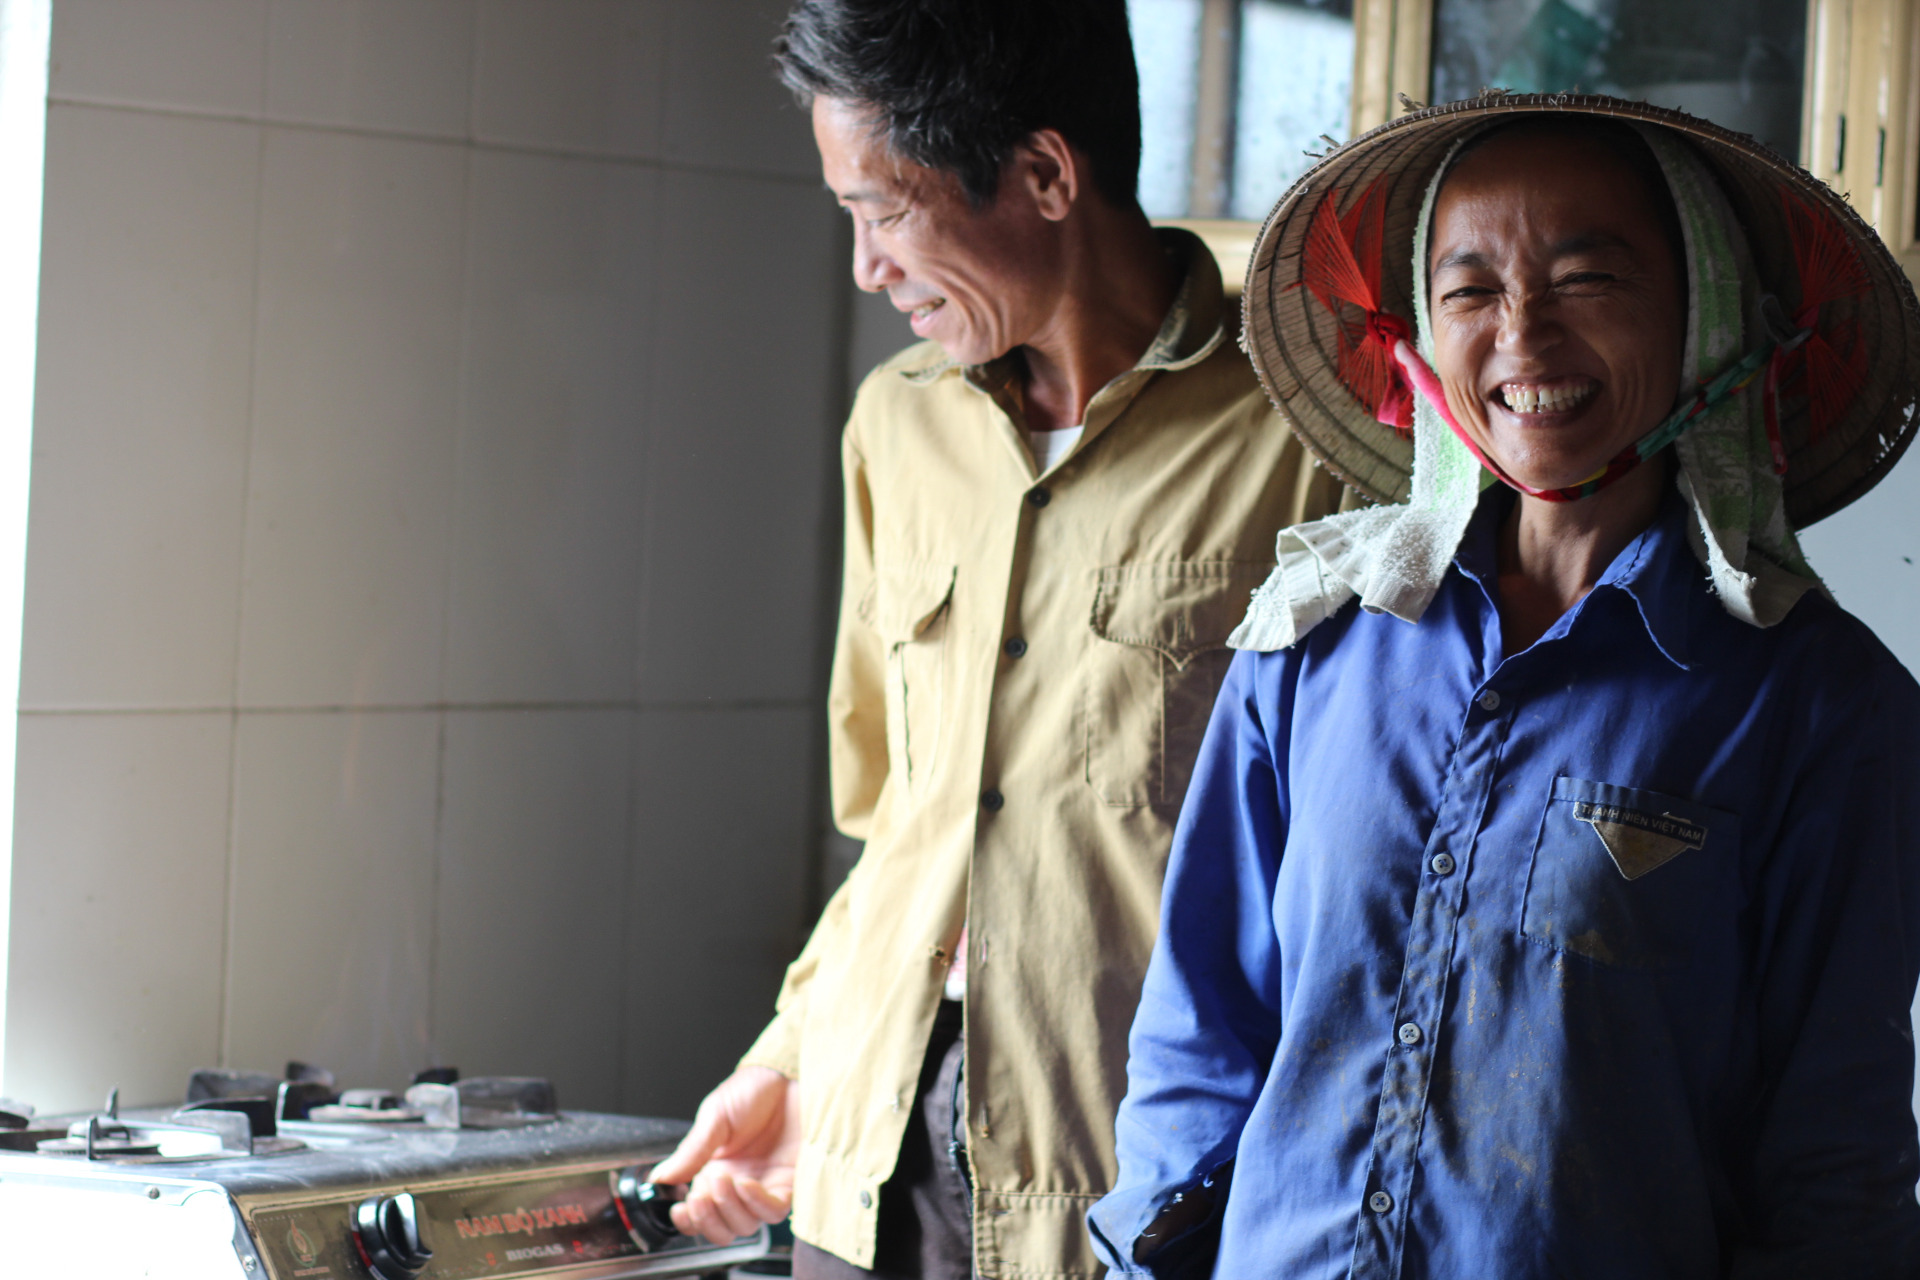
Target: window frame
x,y
1862,59
1862,56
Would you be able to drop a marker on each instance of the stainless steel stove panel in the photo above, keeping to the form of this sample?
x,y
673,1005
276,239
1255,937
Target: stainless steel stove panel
x,y
536,1201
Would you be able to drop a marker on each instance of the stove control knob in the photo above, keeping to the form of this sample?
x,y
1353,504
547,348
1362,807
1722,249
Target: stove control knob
x,y
646,1208
388,1228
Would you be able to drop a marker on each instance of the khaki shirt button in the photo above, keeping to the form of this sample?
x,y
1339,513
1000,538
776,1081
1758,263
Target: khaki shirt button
x,y
992,801
866,1199
1039,497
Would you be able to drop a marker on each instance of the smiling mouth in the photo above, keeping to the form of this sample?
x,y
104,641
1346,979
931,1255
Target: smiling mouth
x,y
1541,398
925,309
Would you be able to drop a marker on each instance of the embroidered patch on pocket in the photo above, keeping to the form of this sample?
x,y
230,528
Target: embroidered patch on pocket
x,y
1638,841
1592,888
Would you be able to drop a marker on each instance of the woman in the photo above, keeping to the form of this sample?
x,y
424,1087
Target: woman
x,y
1547,898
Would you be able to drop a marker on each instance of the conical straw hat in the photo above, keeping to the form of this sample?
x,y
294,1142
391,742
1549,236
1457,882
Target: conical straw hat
x,y
1294,341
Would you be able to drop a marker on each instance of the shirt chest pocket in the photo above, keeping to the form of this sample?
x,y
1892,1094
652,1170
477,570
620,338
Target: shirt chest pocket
x,y
1628,877
1159,656
910,613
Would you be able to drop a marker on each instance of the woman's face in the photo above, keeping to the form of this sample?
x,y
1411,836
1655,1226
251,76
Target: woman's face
x,y
1558,307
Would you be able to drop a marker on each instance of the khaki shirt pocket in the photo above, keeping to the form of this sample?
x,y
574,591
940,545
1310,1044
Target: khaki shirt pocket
x,y
908,610
1159,657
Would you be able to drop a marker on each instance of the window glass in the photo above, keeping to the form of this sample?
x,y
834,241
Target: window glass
x,y
1166,44
1296,77
1232,94
1739,63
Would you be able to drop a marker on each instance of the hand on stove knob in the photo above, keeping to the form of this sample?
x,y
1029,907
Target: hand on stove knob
x,y
738,1157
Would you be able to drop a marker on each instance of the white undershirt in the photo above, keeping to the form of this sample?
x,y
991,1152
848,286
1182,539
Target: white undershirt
x,y
1051,446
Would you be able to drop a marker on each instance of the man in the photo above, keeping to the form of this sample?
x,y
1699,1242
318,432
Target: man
x,y
1057,507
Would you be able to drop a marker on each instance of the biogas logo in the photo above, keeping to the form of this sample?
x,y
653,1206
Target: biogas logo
x,y
301,1245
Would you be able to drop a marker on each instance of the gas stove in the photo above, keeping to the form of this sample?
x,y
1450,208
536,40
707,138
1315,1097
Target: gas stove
x,y
260,1177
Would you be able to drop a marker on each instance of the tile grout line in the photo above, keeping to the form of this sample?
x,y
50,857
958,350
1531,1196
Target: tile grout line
x,y
630,865
407,135
712,705
224,1026
439,851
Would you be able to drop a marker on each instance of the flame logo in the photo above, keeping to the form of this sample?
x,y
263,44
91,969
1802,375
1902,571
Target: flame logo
x,y
302,1245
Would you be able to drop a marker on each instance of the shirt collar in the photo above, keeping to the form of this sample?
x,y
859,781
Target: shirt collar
x,y
1194,326
1657,571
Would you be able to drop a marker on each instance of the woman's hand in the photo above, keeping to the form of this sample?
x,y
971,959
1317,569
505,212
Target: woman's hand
x,y
738,1158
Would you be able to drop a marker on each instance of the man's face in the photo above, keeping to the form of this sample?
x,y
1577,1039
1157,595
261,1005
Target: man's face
x,y
979,282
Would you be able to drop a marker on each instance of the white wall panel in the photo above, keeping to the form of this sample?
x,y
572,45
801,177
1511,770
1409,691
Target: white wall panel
x,y
742,461
146,338
572,75
355,403
532,864
198,55
383,64
723,803
547,523
332,926
724,109
119,906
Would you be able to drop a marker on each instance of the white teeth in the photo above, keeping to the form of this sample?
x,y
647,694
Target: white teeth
x,y
1535,399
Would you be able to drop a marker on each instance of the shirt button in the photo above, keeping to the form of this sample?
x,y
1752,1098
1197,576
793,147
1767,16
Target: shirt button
x,y
1379,1202
1039,497
1016,648
992,801
1442,864
1409,1034
866,1199
1489,701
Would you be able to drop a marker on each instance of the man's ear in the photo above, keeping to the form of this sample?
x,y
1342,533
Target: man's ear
x,y
1051,172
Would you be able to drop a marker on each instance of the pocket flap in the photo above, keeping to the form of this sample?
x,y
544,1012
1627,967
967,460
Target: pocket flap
x,y
1640,830
1629,877
906,598
1180,609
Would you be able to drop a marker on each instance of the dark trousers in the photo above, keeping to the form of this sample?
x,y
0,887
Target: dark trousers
x,y
926,1207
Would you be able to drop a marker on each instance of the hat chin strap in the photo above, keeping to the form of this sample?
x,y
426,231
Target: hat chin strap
x,y
1730,382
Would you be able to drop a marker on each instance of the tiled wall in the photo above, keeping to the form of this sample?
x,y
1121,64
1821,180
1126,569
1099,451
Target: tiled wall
x,y
433,479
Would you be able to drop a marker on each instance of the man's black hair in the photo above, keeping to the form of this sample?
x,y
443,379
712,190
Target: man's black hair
x,y
956,85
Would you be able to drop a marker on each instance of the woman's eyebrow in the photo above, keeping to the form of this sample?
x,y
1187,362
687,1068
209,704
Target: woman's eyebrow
x,y
1462,258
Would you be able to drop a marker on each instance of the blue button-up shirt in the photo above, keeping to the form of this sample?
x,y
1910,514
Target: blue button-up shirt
x,y
1590,960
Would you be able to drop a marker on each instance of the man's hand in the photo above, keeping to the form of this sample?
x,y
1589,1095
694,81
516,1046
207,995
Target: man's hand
x,y
738,1157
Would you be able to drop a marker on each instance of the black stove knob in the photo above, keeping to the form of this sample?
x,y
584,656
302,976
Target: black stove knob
x,y
646,1208
389,1232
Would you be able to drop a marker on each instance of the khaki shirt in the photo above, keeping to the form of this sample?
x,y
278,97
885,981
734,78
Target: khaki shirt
x,y
1028,787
